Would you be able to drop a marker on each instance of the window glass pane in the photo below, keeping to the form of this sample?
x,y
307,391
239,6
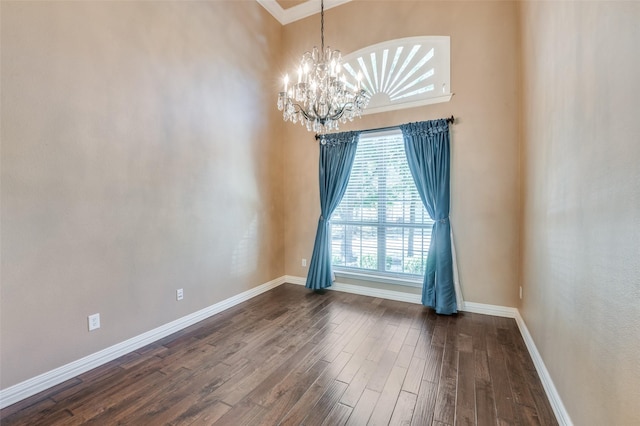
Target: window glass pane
x,y
351,245
367,243
394,252
414,256
337,245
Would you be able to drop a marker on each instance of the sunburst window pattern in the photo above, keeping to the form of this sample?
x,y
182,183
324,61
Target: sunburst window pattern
x,y
403,73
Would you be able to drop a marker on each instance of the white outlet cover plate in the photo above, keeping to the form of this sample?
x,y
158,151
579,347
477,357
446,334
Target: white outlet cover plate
x,y
94,322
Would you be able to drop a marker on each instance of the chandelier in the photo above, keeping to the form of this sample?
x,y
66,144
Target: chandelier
x,y
322,98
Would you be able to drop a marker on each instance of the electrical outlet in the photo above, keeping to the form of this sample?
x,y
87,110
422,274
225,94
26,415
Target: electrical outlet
x,y
520,292
304,262
179,294
94,322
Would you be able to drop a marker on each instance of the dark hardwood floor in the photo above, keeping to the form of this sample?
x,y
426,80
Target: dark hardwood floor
x,y
290,357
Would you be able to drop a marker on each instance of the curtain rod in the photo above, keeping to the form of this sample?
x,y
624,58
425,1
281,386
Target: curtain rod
x,y
450,120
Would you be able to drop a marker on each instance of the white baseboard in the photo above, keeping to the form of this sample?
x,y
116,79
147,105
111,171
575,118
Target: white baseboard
x,y
44,381
400,296
58,375
479,308
495,310
550,389
291,279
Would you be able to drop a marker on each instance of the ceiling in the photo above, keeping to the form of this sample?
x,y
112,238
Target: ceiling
x,y
287,4
287,11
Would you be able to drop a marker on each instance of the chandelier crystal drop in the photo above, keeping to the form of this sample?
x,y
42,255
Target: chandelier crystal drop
x,y
322,97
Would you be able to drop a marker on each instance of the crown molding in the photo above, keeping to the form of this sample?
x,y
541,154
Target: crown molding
x,y
295,13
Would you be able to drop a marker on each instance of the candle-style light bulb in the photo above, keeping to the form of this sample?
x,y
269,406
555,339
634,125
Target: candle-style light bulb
x,y
286,82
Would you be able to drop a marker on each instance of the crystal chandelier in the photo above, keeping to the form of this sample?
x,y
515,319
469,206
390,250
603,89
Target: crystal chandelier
x,y
322,97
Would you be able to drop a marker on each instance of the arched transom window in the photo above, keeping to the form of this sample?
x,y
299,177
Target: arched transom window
x,y
403,73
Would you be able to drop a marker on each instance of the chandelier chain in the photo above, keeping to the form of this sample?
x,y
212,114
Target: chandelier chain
x,y
322,24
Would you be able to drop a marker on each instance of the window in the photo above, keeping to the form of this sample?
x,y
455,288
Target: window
x,y
381,226
403,73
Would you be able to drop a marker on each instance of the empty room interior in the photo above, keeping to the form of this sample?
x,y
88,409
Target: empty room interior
x,y
153,192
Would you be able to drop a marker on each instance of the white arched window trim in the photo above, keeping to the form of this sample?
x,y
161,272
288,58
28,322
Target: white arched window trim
x,y
403,73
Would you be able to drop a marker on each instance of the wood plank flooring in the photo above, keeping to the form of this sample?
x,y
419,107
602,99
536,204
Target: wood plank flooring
x,y
291,357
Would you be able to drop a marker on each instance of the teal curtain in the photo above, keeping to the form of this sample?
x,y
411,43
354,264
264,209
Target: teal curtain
x,y
427,147
337,152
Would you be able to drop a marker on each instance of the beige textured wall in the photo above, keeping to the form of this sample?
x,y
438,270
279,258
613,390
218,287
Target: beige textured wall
x,y
485,150
140,154
581,228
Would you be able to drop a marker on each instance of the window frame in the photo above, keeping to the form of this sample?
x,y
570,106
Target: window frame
x,y
380,274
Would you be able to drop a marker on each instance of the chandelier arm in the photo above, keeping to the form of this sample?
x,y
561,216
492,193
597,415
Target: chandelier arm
x,y
322,119
346,107
306,115
337,115
299,109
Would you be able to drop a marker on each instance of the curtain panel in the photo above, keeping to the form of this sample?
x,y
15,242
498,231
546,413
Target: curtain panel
x,y
428,153
337,152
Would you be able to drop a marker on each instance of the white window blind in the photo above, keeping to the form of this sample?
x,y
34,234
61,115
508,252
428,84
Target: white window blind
x,y
381,226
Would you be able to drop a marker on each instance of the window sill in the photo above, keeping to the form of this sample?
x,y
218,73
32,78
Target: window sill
x,y
378,278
